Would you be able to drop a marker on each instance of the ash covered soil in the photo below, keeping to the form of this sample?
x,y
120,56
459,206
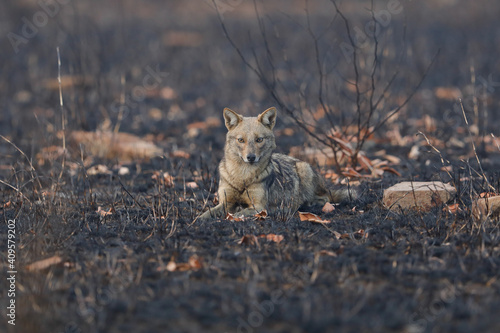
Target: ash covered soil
x,y
126,253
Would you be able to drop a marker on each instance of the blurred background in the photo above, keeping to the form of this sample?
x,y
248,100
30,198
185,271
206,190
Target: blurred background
x,y
371,74
153,67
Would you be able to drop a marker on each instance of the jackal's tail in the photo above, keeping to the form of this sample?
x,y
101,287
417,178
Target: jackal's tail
x,y
342,194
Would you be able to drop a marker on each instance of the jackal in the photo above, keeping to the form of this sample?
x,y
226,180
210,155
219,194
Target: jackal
x,y
253,179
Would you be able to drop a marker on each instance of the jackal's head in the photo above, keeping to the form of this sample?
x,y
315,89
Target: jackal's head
x,y
250,139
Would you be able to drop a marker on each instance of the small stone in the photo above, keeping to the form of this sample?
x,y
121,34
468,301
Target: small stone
x,y
418,195
483,208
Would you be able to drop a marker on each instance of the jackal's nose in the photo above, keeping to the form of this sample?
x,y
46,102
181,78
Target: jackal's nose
x,y
251,158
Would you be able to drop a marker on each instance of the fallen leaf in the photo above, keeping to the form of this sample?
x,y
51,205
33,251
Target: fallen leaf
x,y
193,263
361,232
448,93
182,38
365,162
67,81
171,266
102,212
192,185
453,209
344,145
345,236
327,253
273,238
180,154
286,132
123,171
231,217
391,170
328,208
51,153
332,175
164,179
487,195
168,93
447,168
248,240
393,159
43,264
310,217
261,216
99,169
350,172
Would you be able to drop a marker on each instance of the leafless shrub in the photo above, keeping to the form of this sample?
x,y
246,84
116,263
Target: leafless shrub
x,y
331,102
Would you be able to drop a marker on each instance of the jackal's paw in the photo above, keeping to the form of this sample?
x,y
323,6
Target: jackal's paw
x,y
248,212
205,216
214,212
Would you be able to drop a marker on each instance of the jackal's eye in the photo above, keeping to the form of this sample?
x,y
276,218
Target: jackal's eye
x,y
241,140
259,140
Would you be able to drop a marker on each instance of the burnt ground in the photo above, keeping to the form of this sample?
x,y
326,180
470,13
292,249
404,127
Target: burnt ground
x,y
130,256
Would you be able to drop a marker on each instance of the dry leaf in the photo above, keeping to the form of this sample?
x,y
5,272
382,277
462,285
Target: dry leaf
x,y
261,216
102,212
192,185
350,172
68,81
99,169
273,238
337,234
180,154
123,171
448,93
310,217
487,195
327,253
231,217
285,132
344,145
328,208
182,38
51,153
393,159
43,264
168,93
345,236
248,240
193,263
391,170
171,266
361,232
453,209
332,175
164,179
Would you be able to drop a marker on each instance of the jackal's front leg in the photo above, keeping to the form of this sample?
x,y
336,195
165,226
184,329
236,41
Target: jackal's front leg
x,y
255,198
219,211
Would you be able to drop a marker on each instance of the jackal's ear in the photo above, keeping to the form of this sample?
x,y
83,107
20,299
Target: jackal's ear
x,y
231,118
268,117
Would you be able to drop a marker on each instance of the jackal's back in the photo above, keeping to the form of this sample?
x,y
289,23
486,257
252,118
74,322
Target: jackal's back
x,y
293,183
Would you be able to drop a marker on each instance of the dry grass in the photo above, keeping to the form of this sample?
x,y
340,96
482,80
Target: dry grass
x,y
110,244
